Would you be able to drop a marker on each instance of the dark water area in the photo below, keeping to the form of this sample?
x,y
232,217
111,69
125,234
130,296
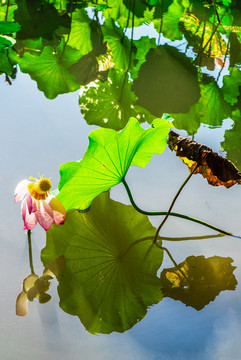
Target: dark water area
x,y
105,82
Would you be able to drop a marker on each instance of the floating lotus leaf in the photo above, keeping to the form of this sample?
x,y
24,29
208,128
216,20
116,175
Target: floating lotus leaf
x,y
197,280
109,281
216,169
107,160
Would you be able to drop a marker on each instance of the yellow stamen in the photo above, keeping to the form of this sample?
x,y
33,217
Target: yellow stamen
x,y
39,190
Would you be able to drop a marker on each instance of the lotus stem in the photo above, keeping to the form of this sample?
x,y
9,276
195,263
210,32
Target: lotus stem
x,y
164,213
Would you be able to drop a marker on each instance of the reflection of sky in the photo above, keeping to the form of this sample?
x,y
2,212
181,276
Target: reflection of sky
x,y
38,135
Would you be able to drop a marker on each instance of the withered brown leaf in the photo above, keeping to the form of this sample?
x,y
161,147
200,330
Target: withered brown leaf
x,y
216,169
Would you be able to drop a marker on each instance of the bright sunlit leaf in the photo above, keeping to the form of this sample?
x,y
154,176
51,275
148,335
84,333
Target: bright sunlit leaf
x,y
107,160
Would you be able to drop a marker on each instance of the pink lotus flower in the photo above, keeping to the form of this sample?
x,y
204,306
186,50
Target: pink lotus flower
x,y
38,205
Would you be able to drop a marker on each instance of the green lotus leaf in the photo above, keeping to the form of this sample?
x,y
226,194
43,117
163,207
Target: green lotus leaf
x,y
190,121
167,82
39,19
109,281
232,140
8,27
6,7
216,108
231,85
118,43
107,160
211,109
115,10
50,69
110,103
80,34
6,41
143,45
170,21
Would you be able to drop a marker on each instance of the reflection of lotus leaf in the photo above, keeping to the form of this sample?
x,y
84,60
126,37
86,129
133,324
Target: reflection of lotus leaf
x,y
50,69
216,108
106,285
110,103
197,280
232,140
39,19
202,33
80,35
211,109
231,86
167,82
170,21
119,45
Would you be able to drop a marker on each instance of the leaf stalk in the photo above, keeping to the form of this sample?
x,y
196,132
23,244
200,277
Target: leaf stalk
x,y
164,213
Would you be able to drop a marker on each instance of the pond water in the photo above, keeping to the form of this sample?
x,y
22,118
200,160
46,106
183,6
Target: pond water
x,y
81,67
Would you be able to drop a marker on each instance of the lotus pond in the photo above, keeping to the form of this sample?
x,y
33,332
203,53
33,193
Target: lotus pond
x,y
121,132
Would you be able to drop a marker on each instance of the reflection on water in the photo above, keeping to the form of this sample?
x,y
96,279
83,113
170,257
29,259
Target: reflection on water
x,y
109,282
197,280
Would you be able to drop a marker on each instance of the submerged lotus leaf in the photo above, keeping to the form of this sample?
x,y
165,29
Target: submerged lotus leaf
x,y
109,281
50,69
197,280
107,160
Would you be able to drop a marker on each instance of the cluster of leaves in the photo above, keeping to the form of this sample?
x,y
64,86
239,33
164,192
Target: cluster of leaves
x,y
67,45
